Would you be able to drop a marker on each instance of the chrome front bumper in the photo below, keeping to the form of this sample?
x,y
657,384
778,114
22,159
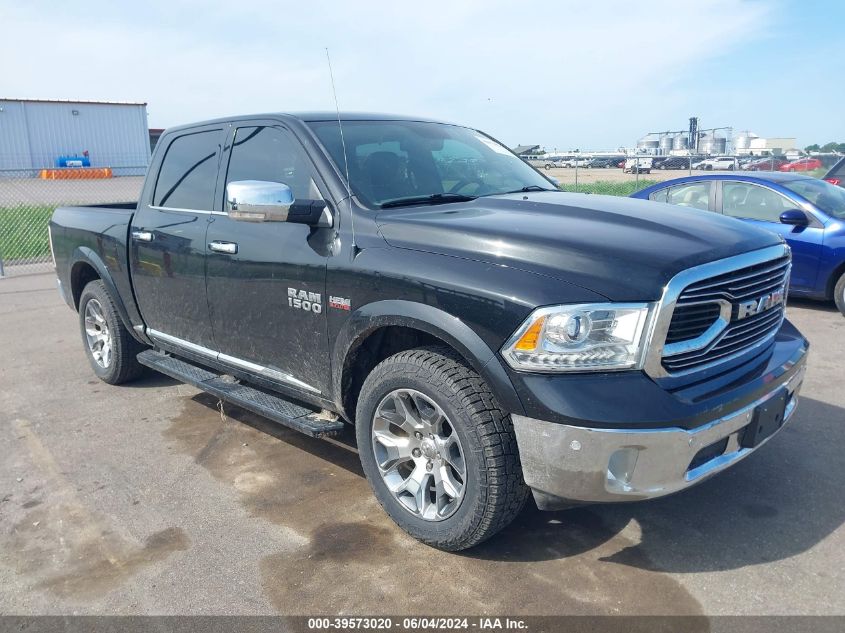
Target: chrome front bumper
x,y
570,465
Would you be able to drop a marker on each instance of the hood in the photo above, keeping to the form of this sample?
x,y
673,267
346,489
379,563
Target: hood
x,y
621,248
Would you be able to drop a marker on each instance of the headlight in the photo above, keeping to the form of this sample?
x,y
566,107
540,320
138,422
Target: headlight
x,y
588,337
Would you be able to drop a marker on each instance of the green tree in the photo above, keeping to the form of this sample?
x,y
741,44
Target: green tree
x,y
812,148
830,147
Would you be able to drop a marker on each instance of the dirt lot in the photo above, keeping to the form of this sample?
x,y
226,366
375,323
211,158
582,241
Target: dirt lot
x,y
144,499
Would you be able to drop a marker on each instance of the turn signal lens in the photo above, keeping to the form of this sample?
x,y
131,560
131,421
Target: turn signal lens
x,y
528,341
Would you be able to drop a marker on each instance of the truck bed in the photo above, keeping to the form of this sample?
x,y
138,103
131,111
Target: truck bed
x,y
94,236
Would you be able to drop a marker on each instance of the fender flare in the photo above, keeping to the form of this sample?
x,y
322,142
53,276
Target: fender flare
x,y
83,254
442,325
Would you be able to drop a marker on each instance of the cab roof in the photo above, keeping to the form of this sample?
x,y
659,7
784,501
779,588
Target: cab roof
x,y
311,117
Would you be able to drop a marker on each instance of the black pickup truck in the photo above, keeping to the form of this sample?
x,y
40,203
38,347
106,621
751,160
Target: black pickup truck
x,y
487,334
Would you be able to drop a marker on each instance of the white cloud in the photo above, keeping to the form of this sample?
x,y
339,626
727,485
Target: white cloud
x,y
564,72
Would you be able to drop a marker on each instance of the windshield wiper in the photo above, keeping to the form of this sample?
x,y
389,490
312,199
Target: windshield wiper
x,y
523,190
527,189
436,198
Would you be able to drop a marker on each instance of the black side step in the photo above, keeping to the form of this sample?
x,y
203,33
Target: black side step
x,y
270,406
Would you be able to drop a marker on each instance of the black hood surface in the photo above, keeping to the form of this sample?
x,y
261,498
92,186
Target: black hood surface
x,y
622,248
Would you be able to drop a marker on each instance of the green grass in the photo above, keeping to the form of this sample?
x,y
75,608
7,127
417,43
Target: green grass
x,y
609,188
23,232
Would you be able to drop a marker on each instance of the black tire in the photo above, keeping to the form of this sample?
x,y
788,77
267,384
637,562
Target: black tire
x,y
839,294
495,491
122,365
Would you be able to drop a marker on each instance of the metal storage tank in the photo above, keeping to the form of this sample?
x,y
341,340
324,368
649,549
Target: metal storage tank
x,y
681,141
742,140
648,142
666,143
34,133
712,144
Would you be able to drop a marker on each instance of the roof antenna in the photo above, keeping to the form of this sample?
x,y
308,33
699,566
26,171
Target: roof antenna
x,y
345,156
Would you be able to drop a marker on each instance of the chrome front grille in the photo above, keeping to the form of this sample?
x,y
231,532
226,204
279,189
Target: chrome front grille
x,y
691,321
738,285
723,315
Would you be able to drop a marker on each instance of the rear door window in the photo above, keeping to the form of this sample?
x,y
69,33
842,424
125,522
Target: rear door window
x,y
188,172
693,194
659,195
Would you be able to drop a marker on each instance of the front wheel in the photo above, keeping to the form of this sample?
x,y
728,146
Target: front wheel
x,y
110,348
839,294
439,453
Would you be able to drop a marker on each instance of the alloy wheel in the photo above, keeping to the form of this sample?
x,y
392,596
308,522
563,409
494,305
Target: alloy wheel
x,y
97,334
419,454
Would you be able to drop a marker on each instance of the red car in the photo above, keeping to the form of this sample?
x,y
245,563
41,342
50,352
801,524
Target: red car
x,y
804,164
767,164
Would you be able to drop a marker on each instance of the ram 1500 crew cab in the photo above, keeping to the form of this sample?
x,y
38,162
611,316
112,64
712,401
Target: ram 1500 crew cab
x,y
487,335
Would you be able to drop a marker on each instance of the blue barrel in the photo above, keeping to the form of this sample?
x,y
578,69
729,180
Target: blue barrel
x,y
73,161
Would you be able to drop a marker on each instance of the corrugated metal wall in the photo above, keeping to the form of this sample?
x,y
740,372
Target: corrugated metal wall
x,y
34,133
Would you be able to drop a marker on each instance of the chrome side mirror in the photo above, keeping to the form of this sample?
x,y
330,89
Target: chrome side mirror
x,y
258,201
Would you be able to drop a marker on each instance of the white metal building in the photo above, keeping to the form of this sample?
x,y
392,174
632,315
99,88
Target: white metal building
x,y
34,133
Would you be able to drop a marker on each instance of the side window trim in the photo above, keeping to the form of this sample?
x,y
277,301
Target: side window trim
x,y
159,164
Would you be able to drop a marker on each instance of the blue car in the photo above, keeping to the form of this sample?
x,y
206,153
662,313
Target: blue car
x,y
809,213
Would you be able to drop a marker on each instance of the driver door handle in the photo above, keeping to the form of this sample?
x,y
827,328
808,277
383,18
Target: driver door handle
x,y
229,248
142,236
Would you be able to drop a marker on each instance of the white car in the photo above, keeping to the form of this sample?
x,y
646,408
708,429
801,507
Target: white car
x,y
720,162
574,162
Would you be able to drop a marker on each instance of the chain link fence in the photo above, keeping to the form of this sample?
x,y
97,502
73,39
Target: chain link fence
x,y
622,176
28,198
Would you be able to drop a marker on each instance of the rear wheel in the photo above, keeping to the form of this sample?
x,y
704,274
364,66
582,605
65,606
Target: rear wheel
x,y
839,294
439,453
110,348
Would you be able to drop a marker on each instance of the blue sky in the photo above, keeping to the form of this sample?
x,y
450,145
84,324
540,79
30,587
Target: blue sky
x,y
590,74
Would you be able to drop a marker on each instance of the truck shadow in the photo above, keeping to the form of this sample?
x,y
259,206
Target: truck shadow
x,y
810,304
777,503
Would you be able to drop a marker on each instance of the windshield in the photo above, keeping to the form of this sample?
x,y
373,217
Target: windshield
x,y
395,160
827,197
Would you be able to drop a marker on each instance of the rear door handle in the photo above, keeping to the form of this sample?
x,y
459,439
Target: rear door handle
x,y
230,248
142,236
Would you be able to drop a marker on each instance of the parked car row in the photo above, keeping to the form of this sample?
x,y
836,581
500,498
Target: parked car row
x,y
584,162
706,163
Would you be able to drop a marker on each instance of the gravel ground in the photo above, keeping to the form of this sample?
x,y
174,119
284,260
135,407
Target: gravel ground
x,y
567,176
36,192
146,499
